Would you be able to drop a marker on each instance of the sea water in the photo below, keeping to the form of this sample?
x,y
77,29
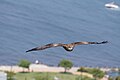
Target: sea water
x,y
25,24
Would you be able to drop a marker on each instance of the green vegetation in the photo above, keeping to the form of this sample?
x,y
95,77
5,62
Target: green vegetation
x,y
114,78
97,73
24,64
110,78
117,78
10,75
82,69
83,78
47,76
66,64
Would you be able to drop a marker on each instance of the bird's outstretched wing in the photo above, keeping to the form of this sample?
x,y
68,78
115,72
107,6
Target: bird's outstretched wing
x,y
83,43
68,47
45,47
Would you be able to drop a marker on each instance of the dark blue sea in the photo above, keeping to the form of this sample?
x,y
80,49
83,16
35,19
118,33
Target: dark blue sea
x,y
25,24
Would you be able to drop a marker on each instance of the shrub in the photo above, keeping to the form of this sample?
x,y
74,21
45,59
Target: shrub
x,y
97,73
24,64
66,64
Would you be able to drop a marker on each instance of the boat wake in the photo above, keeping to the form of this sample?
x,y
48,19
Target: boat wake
x,y
112,6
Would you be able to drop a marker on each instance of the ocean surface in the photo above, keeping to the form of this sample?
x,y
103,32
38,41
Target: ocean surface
x,y
25,24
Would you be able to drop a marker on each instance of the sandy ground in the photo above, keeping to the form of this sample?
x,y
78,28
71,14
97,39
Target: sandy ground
x,y
45,68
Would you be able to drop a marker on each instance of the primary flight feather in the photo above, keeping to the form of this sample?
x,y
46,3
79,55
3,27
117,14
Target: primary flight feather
x,y
67,47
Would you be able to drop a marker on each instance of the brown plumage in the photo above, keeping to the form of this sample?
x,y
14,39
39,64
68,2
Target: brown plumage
x,y
67,47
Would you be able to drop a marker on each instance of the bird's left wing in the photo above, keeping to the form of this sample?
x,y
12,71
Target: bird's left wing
x,y
84,42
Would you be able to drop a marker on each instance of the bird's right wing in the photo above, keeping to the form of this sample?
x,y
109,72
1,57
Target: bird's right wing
x,y
45,47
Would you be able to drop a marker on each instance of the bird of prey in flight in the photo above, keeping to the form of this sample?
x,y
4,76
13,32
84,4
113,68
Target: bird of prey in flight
x,y
67,47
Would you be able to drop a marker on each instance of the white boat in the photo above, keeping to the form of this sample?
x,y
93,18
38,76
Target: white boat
x,y
111,5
